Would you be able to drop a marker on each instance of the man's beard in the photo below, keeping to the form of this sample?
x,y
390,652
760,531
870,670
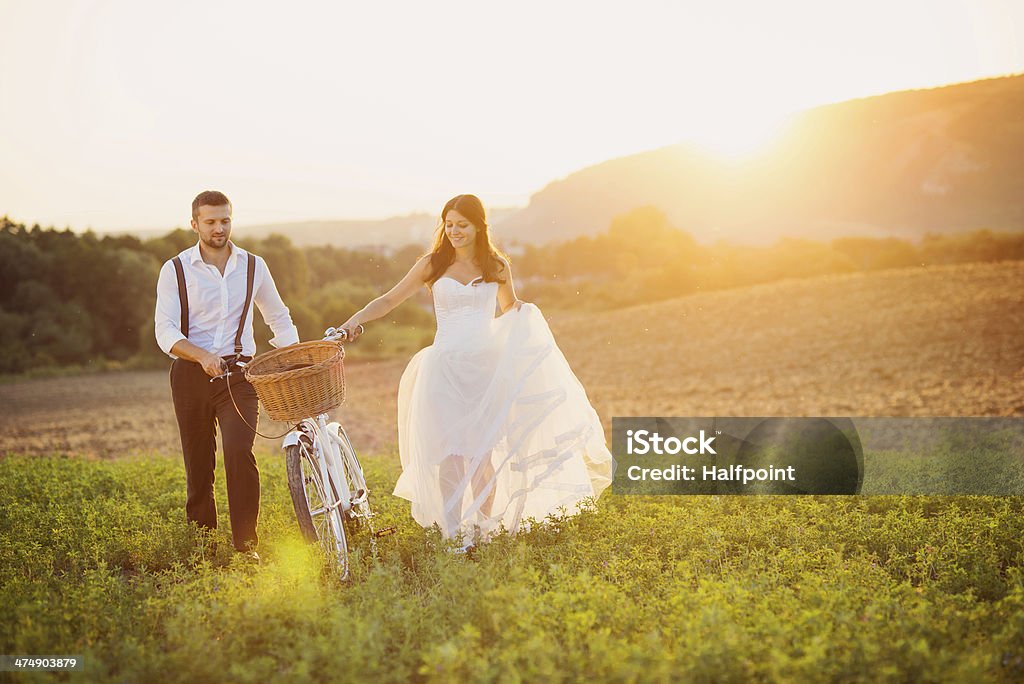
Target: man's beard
x,y
215,242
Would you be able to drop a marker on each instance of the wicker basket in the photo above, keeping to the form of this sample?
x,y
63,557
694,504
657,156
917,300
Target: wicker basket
x,y
299,381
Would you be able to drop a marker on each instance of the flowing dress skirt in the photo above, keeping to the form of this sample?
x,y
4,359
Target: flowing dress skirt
x,y
496,430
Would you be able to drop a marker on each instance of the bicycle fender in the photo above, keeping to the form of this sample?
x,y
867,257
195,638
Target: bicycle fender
x,y
291,439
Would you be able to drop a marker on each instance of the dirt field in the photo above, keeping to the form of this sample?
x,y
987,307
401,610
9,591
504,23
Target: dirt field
x,y
916,342
943,341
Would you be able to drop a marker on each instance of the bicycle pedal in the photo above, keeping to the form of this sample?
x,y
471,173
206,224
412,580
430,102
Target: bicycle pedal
x,y
384,531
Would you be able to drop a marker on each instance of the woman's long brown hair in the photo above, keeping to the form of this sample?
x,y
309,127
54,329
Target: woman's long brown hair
x,y
487,256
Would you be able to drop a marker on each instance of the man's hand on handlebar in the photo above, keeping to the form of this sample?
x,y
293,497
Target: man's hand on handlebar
x,y
212,364
238,369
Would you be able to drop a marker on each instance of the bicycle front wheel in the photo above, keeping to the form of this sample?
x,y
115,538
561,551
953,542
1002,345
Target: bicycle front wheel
x,y
317,506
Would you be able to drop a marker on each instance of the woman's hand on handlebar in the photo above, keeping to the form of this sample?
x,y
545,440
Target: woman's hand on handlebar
x,y
353,329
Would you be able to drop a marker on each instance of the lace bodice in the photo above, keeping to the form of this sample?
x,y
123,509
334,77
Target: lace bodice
x,y
465,313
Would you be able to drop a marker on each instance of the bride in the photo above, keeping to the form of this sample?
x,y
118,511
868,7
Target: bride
x,y
493,426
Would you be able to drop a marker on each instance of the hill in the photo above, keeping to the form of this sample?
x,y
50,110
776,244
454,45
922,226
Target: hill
x,y
902,164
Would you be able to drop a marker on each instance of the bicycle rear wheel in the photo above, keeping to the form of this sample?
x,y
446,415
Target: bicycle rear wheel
x,y
316,503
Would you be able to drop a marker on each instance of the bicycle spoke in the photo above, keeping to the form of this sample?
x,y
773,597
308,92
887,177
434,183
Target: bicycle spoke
x,y
326,515
326,518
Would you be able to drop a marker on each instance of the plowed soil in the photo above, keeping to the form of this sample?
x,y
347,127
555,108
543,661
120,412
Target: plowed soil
x,y
939,341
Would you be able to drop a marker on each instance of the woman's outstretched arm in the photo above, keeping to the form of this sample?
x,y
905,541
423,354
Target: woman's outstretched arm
x,y
383,305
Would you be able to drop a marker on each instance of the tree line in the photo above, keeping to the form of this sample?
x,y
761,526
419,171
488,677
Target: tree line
x,y
81,299
643,258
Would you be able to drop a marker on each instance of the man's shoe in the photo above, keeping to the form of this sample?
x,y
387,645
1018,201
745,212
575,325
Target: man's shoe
x,y
464,550
251,556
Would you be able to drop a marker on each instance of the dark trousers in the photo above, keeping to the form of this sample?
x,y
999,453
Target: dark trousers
x,y
201,405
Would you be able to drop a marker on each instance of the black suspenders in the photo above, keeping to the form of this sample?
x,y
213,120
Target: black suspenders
x,y
250,277
182,295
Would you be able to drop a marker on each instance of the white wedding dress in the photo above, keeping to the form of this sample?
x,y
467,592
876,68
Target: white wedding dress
x,y
493,426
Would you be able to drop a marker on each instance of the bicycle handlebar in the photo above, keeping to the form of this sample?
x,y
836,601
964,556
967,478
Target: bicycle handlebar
x,y
332,334
225,374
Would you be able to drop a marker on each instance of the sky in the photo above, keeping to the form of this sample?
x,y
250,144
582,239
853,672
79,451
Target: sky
x,y
115,114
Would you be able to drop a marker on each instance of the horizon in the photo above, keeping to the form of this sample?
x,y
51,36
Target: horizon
x,y
105,116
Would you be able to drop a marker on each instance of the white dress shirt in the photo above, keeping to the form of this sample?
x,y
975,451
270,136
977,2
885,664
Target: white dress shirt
x,y
215,304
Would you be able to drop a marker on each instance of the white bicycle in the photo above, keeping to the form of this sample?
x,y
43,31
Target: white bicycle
x,y
328,489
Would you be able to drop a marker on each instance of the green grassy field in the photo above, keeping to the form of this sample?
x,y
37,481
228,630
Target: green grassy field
x,y
96,560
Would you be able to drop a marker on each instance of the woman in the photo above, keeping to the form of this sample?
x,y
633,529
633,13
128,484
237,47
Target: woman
x,y
493,426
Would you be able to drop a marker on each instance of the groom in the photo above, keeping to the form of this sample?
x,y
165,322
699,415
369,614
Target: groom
x,y
204,322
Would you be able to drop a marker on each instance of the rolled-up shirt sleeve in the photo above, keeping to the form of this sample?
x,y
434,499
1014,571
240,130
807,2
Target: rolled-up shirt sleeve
x,y
168,310
274,311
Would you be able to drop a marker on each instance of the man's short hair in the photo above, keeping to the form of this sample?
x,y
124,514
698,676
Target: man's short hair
x,y
212,198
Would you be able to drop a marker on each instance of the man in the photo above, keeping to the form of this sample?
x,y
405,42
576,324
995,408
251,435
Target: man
x,y
204,321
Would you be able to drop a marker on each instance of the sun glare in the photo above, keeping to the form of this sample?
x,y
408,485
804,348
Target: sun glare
x,y
736,139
